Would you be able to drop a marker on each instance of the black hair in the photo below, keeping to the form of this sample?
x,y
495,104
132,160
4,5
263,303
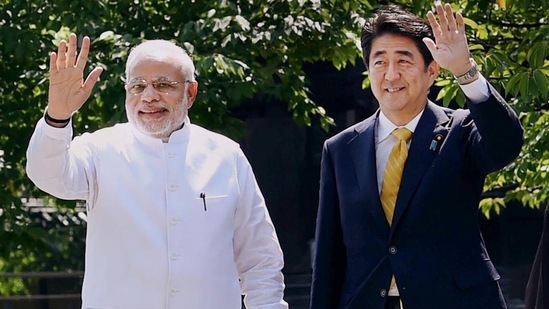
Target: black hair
x,y
393,19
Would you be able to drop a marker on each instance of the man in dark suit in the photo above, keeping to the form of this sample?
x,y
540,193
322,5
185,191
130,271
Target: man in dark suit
x,y
537,289
397,223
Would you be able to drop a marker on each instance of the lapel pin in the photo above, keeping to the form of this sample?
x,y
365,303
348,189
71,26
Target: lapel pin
x,y
435,141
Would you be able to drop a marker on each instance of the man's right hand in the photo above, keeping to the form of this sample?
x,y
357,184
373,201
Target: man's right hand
x,y
68,89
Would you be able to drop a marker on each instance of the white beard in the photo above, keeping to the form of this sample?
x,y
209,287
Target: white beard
x,y
161,130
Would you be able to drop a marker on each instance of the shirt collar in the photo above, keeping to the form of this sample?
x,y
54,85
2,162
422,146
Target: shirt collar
x,y
385,126
181,135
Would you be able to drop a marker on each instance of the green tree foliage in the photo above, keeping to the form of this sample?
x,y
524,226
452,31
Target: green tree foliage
x,y
243,50
512,46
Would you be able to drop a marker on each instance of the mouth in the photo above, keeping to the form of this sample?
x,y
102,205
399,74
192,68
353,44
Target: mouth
x,y
153,113
394,89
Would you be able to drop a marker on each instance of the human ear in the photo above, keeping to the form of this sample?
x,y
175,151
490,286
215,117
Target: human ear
x,y
433,70
192,91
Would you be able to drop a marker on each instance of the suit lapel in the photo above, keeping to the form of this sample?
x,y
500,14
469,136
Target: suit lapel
x,y
427,140
363,152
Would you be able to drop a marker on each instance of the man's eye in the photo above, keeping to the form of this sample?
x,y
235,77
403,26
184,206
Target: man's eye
x,y
163,86
138,87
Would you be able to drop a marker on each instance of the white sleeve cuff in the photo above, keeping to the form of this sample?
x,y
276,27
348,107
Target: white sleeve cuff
x,y
476,91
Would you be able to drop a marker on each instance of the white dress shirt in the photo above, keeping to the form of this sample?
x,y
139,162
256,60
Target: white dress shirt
x,y
476,92
176,225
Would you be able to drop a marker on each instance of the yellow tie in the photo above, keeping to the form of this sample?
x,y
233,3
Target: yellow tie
x,y
393,172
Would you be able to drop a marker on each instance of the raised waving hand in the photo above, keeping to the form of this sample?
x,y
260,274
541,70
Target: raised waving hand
x,y
450,48
68,88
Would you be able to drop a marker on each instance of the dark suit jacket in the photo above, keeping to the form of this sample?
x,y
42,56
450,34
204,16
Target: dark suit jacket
x,y
537,289
434,246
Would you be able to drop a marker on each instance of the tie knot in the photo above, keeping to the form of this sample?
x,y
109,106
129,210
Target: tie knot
x,y
402,134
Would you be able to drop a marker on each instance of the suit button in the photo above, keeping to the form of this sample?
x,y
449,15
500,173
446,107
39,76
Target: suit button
x,y
392,250
383,293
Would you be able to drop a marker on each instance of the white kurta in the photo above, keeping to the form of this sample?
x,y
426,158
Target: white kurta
x,y
151,242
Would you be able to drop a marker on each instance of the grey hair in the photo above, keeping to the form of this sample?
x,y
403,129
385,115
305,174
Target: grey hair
x,y
161,49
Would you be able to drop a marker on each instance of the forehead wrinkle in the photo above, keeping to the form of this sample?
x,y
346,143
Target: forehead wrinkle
x,y
398,52
405,53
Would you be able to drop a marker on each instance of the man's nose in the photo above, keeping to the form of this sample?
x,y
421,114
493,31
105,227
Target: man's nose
x,y
150,94
392,72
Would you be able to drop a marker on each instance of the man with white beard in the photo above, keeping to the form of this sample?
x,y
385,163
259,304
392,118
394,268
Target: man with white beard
x,y
175,218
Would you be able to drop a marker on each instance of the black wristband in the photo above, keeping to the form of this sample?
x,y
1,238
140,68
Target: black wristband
x,y
53,120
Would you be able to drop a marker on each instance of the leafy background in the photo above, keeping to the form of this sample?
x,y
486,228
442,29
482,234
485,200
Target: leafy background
x,y
243,50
